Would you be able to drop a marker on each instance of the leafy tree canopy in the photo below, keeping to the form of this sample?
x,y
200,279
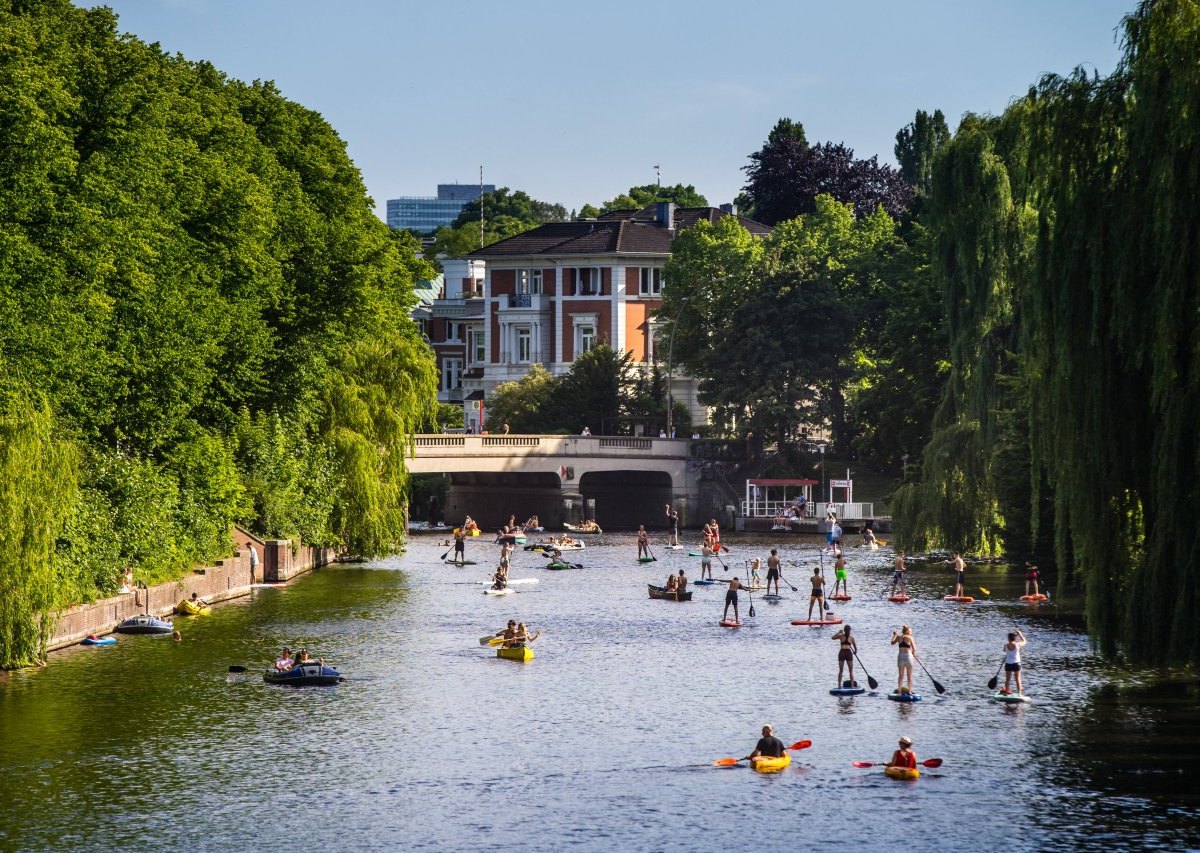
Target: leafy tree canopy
x,y
916,146
639,197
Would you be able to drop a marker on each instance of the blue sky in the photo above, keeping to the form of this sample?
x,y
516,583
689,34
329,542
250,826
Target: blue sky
x,y
575,102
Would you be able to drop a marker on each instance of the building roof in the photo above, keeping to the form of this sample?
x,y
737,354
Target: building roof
x,y
616,232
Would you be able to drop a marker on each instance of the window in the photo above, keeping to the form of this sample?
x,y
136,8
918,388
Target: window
x,y
452,369
453,330
476,346
524,345
586,339
529,281
588,281
651,284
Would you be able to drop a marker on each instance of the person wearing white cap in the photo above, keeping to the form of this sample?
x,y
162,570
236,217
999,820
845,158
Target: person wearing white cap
x,y
904,756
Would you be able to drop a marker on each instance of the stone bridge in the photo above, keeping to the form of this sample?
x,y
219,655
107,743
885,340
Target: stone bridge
x,y
620,481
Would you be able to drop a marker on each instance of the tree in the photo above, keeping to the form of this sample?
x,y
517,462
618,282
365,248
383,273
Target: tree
x,y
594,392
505,214
916,146
787,174
639,197
526,405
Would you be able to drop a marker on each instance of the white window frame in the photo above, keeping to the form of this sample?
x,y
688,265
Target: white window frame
x,y
585,338
454,329
529,281
595,284
476,347
452,373
524,344
650,281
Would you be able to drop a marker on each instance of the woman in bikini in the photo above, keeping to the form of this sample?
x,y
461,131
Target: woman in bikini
x,y
904,660
846,655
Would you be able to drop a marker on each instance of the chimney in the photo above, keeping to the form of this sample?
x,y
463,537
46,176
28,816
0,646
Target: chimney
x,y
664,214
730,208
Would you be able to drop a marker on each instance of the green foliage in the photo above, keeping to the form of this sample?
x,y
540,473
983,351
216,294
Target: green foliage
x,y
639,197
525,405
917,144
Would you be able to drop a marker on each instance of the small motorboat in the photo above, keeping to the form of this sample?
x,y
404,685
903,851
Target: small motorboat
x,y
589,527
660,592
145,624
312,674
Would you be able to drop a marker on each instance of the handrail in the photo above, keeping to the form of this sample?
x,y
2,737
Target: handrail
x,y
511,441
632,443
440,441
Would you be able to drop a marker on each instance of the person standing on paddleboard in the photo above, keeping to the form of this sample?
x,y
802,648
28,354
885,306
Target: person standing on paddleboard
x,y
818,594
1012,660
839,574
460,545
643,542
731,598
960,569
1031,578
898,575
706,559
904,660
773,566
673,520
846,655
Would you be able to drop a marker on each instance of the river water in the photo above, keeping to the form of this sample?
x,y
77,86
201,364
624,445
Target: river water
x,y
605,740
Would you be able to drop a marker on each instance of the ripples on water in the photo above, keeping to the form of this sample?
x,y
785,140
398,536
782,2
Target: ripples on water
x,y
605,740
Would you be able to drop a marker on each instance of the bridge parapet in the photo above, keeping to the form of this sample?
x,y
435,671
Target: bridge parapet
x,y
596,446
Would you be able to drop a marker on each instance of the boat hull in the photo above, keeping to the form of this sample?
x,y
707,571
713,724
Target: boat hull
x,y
903,773
145,625
521,653
187,608
304,675
660,593
767,764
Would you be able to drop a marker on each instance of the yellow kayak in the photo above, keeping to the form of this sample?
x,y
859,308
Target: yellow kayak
x,y
517,653
902,772
767,764
187,608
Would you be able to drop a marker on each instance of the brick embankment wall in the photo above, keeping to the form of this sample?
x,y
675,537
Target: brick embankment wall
x,y
225,579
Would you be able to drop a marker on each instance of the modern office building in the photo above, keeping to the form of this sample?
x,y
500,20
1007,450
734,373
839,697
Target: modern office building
x,y
426,214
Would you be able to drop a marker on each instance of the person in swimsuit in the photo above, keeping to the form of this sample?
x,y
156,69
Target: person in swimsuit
x,y
904,756
681,583
868,537
673,520
706,559
1012,660
818,594
839,575
509,631
898,575
500,578
672,583
460,545
521,637
960,568
643,542
731,597
768,745
1031,578
506,550
846,655
904,660
773,571
755,578
284,662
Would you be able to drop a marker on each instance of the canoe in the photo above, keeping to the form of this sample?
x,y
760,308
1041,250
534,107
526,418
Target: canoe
x,y
304,675
98,641
847,691
961,599
1038,597
839,598
817,622
904,697
906,773
558,566
899,599
1011,698
726,623
575,528
188,608
145,624
660,592
769,764
521,653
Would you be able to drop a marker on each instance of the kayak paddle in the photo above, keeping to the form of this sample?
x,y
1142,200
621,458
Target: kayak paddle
x,y
730,762
929,762
871,681
936,684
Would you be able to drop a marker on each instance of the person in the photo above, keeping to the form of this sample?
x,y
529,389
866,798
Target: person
x,y
768,745
304,657
253,562
773,568
904,659
556,556
460,545
672,583
706,559
177,637
898,575
818,594
197,601
835,536
839,574
846,655
506,549
960,573
673,520
1012,660
868,537
681,583
662,433
284,662
695,436
755,579
586,431
731,597
521,637
1031,578
469,525
126,581
643,542
505,429
509,631
904,756
831,523
500,578
801,504
716,536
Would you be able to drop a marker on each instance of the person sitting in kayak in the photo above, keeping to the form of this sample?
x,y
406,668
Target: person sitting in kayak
x,y
509,631
768,745
521,637
839,575
904,756
197,601
773,566
643,542
818,594
285,661
1012,659
731,597
846,655
898,575
904,659
672,583
1031,578
681,583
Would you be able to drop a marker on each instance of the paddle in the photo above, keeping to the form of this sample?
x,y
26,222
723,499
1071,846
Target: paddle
x,y
929,762
936,684
651,553
448,550
995,679
751,595
824,600
871,681
730,762
789,583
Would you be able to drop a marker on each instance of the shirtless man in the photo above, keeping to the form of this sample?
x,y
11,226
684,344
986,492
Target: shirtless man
x,y
839,574
960,573
673,520
773,567
818,594
731,597
898,575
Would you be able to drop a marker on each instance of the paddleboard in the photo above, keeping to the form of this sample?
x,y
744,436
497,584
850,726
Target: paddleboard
x,y
703,583
513,582
646,560
839,598
695,554
847,691
904,697
460,563
725,623
961,599
505,591
1011,698
673,547
770,596
816,622
1038,597
899,599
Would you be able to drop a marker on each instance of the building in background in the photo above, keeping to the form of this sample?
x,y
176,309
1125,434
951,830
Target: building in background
x,y
426,214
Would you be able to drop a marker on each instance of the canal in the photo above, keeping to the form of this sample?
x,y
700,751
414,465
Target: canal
x,y
606,739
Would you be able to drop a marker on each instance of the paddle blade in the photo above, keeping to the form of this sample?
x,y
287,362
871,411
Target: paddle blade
x,y
874,684
937,685
725,762
483,641
932,762
237,669
751,609
993,681
864,763
496,641
801,744
985,591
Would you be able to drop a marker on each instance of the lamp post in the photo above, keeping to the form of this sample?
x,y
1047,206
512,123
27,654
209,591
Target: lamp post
x,y
821,447
670,362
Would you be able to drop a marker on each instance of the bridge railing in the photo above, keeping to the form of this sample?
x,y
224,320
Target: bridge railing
x,y
549,445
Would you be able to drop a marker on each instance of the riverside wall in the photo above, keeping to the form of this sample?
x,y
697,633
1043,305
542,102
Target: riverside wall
x,y
225,579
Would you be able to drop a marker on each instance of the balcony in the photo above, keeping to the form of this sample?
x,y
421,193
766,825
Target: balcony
x,y
527,301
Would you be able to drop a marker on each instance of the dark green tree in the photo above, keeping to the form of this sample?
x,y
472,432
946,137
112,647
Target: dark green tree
x,y
917,144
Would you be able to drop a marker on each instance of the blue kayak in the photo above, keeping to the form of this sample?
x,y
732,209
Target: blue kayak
x,y
98,641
